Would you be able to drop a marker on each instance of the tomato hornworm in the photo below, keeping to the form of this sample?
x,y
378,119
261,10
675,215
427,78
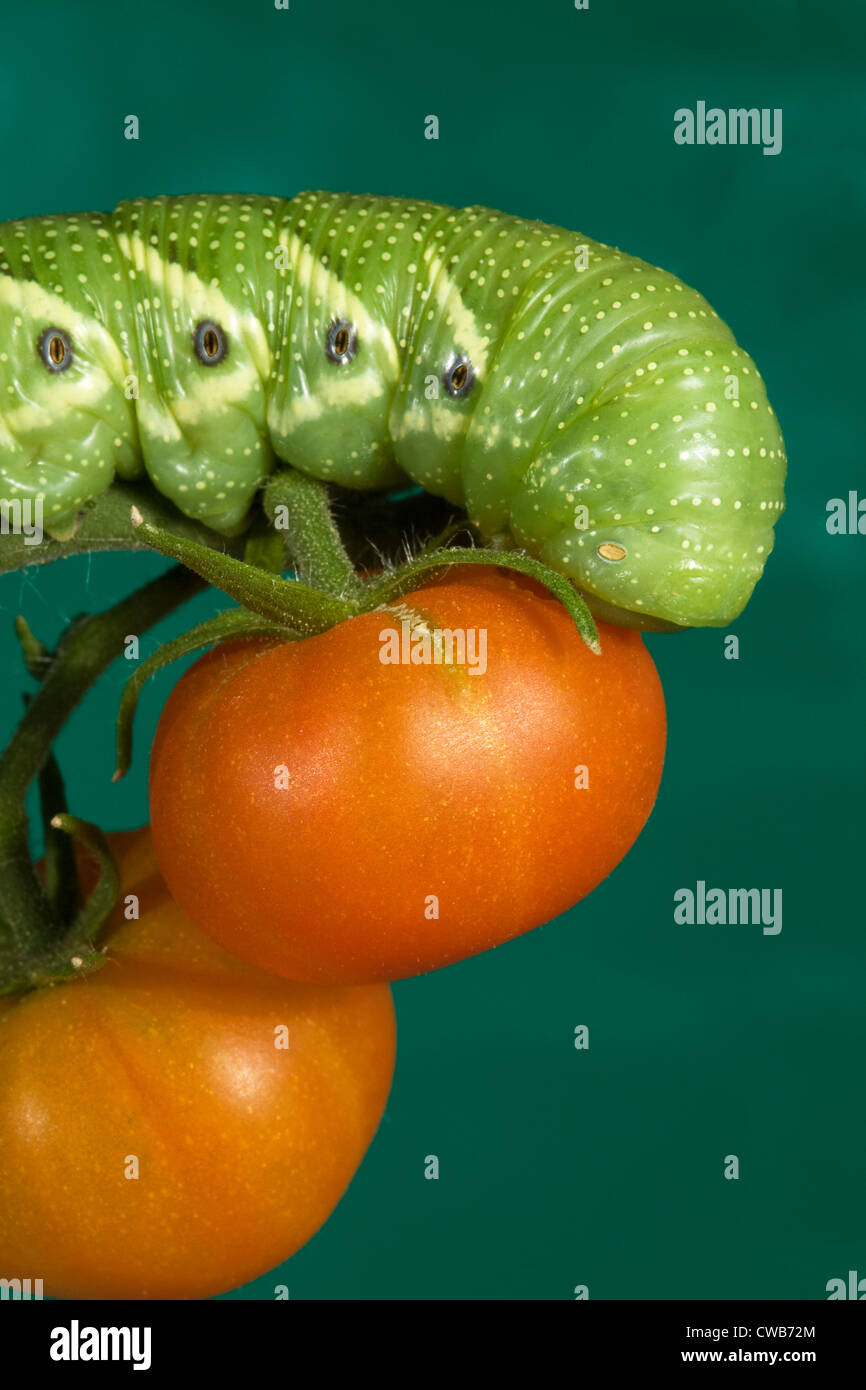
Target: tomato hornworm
x,y
574,400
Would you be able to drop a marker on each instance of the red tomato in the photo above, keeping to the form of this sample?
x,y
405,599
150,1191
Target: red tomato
x,y
155,1142
336,818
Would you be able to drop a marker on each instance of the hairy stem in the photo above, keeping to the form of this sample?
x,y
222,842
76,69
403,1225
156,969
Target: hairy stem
x,y
283,601
301,507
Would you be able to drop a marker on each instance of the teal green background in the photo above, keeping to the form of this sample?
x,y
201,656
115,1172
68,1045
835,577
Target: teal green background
x,y
561,1167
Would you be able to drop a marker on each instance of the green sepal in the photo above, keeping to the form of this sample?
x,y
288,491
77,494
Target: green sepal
x,y
401,581
231,625
283,601
75,954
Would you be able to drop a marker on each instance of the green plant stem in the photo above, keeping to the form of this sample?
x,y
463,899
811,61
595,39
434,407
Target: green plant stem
x,y
314,540
29,928
60,877
85,927
284,601
106,525
62,888
232,625
75,953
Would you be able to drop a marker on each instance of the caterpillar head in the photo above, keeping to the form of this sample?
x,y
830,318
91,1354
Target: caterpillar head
x,y
659,500
606,421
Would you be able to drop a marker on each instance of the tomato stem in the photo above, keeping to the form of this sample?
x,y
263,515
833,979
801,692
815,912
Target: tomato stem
x,y
62,887
61,873
284,601
75,954
105,525
302,507
31,928
89,919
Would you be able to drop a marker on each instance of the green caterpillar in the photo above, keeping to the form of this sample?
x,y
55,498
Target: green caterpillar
x,y
574,400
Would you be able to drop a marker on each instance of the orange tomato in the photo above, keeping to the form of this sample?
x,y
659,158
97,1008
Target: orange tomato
x,y
337,818
157,1139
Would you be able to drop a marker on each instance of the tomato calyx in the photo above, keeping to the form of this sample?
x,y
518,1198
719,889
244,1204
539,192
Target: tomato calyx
x,y
326,588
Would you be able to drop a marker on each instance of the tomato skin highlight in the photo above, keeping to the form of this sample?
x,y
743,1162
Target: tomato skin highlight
x,y
410,789
167,1056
